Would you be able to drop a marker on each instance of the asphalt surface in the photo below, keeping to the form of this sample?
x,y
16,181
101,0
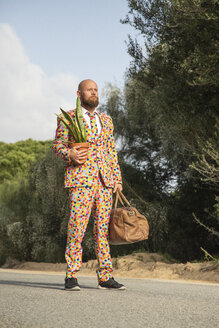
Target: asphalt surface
x,y
39,300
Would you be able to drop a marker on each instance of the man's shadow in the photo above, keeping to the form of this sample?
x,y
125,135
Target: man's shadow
x,y
40,285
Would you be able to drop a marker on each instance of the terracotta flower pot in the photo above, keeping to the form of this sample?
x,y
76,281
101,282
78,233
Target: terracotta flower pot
x,y
83,145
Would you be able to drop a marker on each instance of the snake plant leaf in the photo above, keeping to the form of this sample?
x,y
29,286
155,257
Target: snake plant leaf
x,y
79,119
77,125
75,134
77,122
74,130
67,116
78,133
67,126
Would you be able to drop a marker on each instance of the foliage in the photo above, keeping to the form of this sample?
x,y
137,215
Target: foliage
x,y
166,123
207,162
16,158
76,128
34,213
177,71
167,115
15,196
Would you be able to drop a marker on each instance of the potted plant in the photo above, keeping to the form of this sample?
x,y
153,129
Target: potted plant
x,y
76,128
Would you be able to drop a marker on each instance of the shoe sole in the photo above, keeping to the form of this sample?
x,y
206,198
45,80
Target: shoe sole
x,y
121,288
76,288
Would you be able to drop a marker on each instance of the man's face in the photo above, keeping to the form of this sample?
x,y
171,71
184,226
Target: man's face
x,y
89,94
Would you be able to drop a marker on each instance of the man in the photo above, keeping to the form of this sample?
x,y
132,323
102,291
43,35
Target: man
x,y
91,186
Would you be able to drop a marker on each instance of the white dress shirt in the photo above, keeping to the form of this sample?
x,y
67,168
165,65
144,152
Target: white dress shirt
x,y
87,118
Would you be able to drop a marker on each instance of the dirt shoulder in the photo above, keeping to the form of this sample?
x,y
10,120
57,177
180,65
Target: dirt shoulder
x,y
136,265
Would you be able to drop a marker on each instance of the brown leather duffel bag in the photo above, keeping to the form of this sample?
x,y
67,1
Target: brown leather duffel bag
x,y
127,225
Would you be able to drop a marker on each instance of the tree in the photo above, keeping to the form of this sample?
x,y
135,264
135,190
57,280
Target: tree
x,y
168,105
34,213
16,158
177,70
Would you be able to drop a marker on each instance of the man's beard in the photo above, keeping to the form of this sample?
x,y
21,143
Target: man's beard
x,y
90,103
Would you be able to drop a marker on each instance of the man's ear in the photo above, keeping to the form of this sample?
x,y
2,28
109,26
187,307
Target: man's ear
x,y
79,93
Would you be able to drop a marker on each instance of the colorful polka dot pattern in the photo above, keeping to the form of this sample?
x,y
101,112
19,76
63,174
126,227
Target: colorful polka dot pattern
x,y
94,128
90,186
84,200
102,155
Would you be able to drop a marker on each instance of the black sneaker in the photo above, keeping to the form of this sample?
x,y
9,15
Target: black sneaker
x,y
111,284
71,284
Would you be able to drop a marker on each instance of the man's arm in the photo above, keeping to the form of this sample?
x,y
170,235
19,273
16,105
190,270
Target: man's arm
x,y
117,177
60,143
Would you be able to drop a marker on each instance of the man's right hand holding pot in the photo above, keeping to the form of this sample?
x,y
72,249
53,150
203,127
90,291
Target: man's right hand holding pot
x,y
77,155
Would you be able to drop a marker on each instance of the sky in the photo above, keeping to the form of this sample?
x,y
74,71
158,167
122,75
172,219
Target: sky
x,y
47,48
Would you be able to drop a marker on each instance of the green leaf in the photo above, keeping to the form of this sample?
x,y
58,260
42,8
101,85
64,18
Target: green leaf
x,y
74,131
77,131
67,126
67,116
79,119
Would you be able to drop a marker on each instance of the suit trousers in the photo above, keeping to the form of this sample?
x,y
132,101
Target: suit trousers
x,y
97,200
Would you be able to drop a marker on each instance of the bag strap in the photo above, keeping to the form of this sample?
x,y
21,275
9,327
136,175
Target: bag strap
x,y
125,199
116,201
119,195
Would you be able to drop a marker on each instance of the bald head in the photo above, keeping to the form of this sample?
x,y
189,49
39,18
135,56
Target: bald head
x,y
88,94
84,83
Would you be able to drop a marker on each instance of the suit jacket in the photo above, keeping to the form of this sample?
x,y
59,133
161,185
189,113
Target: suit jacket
x,y
102,155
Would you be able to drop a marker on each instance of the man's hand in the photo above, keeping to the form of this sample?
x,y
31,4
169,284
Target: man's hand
x,y
77,156
118,186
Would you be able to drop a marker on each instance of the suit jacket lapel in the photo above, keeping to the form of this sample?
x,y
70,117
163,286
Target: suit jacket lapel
x,y
101,116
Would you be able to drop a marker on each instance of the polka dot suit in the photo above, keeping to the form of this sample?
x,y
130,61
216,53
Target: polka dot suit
x,y
90,189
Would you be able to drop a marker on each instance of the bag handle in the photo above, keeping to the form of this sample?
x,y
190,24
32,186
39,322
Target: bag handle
x,y
120,199
119,195
125,199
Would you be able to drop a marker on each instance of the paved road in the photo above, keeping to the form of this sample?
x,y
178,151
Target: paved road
x,y
39,300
